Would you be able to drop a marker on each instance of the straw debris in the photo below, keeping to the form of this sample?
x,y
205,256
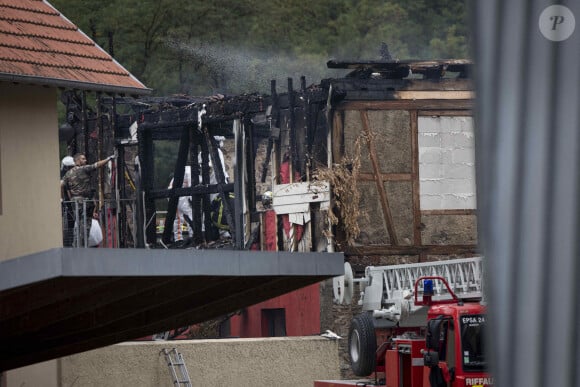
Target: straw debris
x,y
346,195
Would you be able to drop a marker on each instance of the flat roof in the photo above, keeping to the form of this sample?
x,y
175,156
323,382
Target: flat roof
x,y
64,301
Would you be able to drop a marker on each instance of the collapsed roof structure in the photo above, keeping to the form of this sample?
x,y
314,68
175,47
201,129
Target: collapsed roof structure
x,y
297,126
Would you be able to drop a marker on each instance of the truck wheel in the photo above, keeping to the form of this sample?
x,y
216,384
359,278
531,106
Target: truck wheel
x,y
362,345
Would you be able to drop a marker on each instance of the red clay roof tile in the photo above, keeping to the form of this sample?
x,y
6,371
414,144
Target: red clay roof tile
x,y
39,45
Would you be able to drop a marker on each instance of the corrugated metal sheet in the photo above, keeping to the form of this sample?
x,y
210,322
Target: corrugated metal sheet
x,y
527,155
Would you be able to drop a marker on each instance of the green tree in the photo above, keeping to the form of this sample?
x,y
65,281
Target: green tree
x,y
366,24
435,28
200,47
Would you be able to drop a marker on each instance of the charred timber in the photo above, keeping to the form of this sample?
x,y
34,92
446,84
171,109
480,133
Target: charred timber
x,y
398,69
385,250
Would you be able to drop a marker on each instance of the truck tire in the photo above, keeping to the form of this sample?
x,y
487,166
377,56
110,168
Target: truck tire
x,y
362,345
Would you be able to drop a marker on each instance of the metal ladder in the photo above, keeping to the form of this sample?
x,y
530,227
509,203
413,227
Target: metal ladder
x,y
177,367
392,284
463,275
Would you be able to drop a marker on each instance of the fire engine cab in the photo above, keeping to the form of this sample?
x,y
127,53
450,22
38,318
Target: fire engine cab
x,y
422,325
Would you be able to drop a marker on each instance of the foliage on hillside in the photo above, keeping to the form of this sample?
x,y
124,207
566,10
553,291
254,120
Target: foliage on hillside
x,y
222,46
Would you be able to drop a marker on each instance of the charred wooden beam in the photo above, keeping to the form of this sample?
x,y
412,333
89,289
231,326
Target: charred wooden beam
x,y
203,141
250,166
397,69
145,183
239,184
178,174
292,131
386,250
416,186
380,184
274,120
425,104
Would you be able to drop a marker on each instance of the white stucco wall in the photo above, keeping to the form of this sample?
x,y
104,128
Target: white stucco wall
x,y
29,170
280,362
446,163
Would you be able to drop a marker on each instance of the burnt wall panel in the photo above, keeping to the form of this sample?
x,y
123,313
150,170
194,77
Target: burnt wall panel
x,y
443,229
391,139
352,129
371,221
399,194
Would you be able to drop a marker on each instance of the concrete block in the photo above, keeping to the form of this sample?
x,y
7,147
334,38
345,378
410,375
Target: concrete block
x,y
465,124
447,156
429,124
463,156
431,202
464,140
429,156
434,187
461,186
430,171
458,171
432,139
445,124
453,201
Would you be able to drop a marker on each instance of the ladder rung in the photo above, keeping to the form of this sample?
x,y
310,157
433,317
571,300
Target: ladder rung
x,y
177,365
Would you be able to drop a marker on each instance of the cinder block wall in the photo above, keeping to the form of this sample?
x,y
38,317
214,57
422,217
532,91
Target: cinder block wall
x,y
279,362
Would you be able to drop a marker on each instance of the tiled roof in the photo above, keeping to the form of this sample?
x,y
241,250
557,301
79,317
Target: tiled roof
x,y
39,45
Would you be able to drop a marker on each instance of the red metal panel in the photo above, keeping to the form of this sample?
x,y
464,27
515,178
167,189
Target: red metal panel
x,y
302,314
392,368
270,233
411,364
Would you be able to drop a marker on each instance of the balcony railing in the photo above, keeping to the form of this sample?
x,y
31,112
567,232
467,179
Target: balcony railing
x,y
117,220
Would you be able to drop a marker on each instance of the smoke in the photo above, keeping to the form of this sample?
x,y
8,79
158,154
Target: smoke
x,y
244,70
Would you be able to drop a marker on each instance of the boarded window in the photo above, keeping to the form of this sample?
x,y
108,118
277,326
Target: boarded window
x,y
446,163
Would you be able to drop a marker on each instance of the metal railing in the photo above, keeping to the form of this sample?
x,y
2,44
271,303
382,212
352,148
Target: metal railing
x,y
117,220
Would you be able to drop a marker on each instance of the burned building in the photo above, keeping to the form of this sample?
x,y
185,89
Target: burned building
x,y
402,132
378,164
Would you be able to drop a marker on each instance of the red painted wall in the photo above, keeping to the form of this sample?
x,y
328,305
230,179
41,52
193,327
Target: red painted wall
x,y
302,307
302,314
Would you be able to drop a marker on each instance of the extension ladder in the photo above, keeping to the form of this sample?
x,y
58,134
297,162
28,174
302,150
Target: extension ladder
x,y
393,284
177,367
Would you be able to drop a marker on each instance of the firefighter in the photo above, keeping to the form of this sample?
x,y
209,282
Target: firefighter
x,y
184,213
212,175
220,145
218,219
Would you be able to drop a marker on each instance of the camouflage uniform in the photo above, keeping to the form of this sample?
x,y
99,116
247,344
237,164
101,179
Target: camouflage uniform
x,y
78,183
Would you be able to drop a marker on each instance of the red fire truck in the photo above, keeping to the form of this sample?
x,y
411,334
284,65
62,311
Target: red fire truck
x,y
429,321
